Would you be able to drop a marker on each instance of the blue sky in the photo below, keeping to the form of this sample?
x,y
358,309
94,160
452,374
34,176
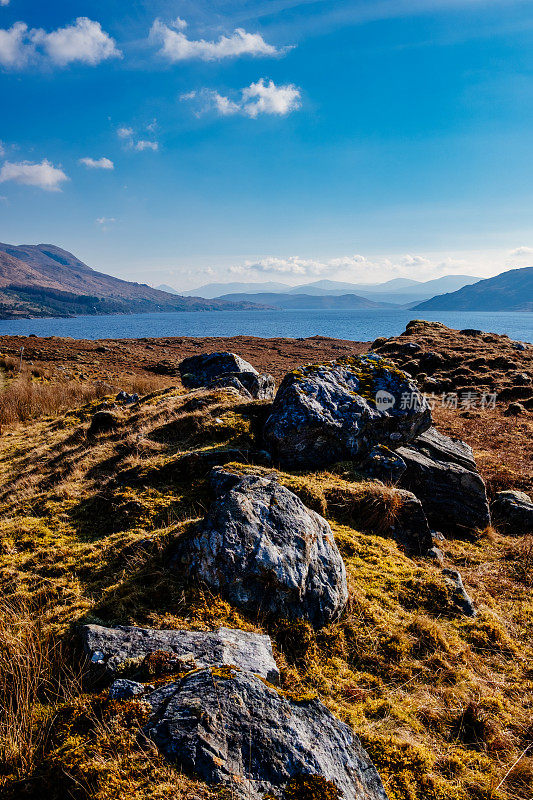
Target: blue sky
x,y
183,142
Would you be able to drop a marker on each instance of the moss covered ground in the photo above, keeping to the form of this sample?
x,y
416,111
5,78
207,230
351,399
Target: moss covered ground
x,y
442,703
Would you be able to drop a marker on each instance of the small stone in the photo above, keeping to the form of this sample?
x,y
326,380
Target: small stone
x,y
458,596
122,689
512,512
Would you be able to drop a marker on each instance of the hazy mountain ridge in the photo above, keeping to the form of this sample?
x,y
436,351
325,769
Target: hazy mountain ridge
x,y
398,291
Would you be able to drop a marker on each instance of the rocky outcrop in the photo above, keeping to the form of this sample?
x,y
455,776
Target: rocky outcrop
x,y
229,728
454,498
226,370
339,410
260,547
512,512
112,650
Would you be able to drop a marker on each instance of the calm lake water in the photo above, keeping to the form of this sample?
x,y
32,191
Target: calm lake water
x,y
355,325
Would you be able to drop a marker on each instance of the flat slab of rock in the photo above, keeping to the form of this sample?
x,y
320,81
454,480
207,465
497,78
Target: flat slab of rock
x,y
109,649
444,448
512,512
260,547
339,410
454,498
228,727
223,369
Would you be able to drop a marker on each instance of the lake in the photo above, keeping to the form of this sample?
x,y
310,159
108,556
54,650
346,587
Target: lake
x,y
361,325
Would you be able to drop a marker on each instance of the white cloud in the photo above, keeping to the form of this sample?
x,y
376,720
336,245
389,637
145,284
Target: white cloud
x,y
2,149
125,133
176,46
521,251
97,163
267,98
258,98
16,50
4,2
43,175
415,261
142,144
105,220
83,41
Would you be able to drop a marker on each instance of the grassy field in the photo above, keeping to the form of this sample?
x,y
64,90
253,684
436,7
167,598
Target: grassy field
x,y
442,703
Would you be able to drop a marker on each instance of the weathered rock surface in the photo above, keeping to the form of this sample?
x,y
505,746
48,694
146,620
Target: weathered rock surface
x,y
110,649
216,370
444,448
512,512
340,409
265,551
458,595
123,689
383,464
454,498
228,727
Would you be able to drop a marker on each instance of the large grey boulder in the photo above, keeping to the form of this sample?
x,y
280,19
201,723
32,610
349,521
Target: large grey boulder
x,y
110,650
260,547
226,370
512,512
453,495
340,409
229,728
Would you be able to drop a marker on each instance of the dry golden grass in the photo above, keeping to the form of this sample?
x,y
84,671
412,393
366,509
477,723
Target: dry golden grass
x,y
442,703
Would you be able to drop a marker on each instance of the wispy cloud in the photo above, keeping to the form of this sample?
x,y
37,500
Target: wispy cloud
x,y
105,220
4,2
97,163
43,175
144,144
139,145
84,41
262,97
176,46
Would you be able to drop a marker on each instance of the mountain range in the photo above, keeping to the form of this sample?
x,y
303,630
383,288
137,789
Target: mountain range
x,y
398,291
45,280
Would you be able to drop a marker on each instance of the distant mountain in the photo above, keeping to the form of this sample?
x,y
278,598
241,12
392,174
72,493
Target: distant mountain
x,y
44,280
304,301
509,291
397,291
211,290
166,288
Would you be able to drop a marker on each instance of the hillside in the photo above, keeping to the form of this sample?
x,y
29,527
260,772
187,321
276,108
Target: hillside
x,y
509,291
92,520
44,280
305,301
